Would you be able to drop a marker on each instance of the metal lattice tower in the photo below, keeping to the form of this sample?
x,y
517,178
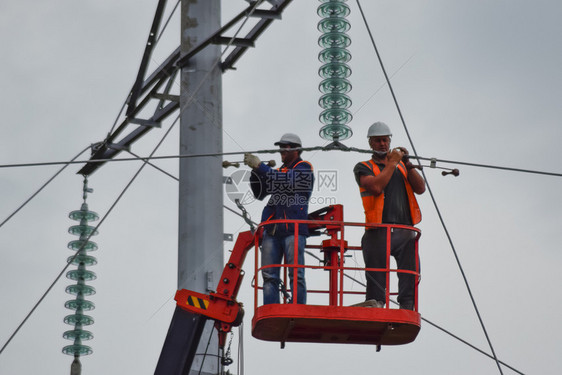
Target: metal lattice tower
x,y
81,275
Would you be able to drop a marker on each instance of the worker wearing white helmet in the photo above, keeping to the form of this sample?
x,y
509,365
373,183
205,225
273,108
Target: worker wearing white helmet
x,y
388,183
290,188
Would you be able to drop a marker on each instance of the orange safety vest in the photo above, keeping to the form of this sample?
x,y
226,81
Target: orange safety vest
x,y
374,205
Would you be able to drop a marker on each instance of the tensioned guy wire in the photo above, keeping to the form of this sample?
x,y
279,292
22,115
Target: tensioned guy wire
x,y
430,192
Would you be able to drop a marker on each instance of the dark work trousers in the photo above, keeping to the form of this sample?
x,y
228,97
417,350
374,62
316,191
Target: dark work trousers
x,y
402,249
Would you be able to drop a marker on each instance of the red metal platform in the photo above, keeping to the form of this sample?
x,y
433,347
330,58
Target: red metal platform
x,y
335,324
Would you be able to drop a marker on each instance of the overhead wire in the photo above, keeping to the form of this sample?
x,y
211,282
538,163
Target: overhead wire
x,y
42,187
69,261
272,151
177,179
438,326
145,159
429,189
72,161
155,42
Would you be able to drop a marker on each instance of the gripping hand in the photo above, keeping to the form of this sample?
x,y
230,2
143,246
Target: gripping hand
x,y
251,161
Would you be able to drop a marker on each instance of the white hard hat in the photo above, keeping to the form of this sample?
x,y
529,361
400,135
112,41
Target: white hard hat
x,y
289,139
379,129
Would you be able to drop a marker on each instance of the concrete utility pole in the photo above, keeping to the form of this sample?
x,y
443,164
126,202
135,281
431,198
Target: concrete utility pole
x,y
200,253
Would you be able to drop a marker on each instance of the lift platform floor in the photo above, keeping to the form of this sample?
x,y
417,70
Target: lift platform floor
x,y
335,324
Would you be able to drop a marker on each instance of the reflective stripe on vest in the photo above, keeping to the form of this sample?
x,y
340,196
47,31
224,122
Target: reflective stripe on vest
x,y
374,205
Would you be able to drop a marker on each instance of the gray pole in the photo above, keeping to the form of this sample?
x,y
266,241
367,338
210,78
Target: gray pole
x,y
200,252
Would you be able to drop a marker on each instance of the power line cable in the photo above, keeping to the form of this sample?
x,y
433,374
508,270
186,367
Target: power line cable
x,y
155,42
272,151
120,195
429,189
42,187
437,326
177,179
85,242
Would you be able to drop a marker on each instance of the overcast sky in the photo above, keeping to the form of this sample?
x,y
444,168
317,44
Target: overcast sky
x,y
477,82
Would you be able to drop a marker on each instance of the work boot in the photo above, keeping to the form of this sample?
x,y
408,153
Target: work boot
x,y
370,303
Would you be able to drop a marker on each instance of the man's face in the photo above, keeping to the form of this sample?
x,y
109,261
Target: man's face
x,y
288,156
381,144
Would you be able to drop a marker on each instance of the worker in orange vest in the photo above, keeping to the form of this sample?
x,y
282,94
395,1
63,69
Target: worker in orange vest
x,y
388,183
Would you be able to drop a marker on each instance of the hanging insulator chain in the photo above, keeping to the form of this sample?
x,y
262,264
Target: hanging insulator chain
x,y
80,275
334,70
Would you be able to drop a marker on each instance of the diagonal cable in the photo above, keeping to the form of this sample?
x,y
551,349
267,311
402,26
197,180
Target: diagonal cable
x,y
120,195
429,189
66,164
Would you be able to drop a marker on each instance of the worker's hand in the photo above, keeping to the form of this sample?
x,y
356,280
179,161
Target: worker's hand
x,y
394,156
251,161
406,156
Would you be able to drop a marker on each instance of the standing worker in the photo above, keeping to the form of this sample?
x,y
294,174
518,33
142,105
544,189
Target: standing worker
x,y
387,183
290,188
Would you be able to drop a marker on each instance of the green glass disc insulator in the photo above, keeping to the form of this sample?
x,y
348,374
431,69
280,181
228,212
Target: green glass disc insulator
x,y
85,290
334,54
331,8
340,25
335,116
335,85
332,100
81,275
77,349
88,260
338,132
334,70
82,230
82,245
84,320
334,39
81,214
76,304
78,334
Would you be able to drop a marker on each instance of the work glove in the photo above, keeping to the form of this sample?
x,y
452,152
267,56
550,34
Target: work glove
x,y
251,161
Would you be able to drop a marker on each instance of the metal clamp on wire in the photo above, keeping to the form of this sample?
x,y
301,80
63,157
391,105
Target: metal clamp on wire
x,y
433,164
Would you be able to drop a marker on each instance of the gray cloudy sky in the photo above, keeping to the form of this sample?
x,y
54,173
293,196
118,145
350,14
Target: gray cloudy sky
x,y
477,81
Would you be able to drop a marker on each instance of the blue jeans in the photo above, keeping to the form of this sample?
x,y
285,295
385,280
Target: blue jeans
x,y
273,249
